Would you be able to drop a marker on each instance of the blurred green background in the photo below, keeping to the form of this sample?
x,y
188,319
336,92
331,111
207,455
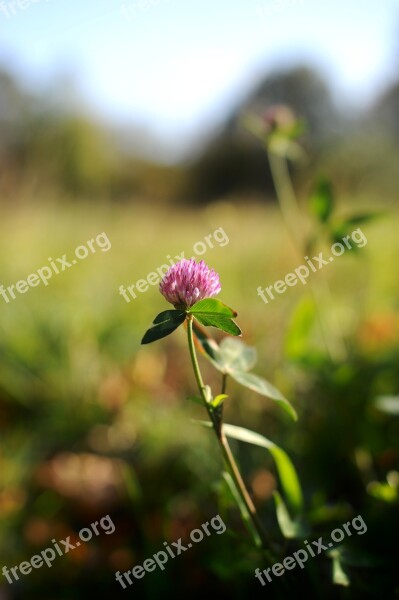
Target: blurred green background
x,y
92,423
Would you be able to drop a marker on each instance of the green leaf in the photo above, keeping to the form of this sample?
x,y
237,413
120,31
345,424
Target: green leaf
x,y
209,347
164,324
299,329
321,201
207,344
213,313
362,218
166,315
289,528
230,355
383,491
339,576
286,470
236,356
345,226
219,321
264,388
208,394
298,128
212,306
388,404
219,400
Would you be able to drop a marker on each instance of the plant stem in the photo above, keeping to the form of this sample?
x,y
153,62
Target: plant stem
x,y
224,383
286,198
260,537
220,408
292,218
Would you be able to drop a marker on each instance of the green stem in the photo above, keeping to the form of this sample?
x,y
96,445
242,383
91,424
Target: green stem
x,y
220,408
286,198
224,383
292,218
259,537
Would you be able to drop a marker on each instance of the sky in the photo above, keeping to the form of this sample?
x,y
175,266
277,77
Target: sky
x,y
178,66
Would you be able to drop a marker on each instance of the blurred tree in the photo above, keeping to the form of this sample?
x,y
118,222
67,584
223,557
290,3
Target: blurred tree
x,y
232,163
15,109
385,112
14,105
74,152
306,92
48,144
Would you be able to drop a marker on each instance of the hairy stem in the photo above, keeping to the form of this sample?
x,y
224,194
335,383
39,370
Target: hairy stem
x,y
216,420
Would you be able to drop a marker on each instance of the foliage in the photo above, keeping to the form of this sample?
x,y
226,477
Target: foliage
x,y
91,423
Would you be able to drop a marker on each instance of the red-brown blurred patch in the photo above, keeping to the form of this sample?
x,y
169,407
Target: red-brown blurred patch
x,y
11,500
121,559
113,391
90,479
378,332
37,531
263,484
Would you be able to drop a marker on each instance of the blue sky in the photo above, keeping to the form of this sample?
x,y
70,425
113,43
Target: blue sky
x,y
175,65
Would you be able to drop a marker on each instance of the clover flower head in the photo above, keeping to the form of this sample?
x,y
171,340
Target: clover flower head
x,y
187,282
278,117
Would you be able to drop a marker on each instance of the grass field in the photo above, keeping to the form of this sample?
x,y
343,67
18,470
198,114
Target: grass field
x,y
75,382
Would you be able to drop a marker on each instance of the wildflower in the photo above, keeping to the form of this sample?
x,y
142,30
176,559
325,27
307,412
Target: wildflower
x,y
189,286
187,282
